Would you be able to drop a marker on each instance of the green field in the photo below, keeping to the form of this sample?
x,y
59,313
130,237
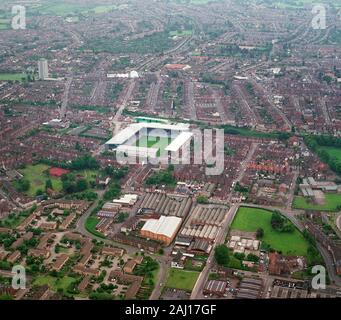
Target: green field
x,y
90,225
12,221
333,200
333,152
5,24
250,219
38,174
12,76
37,177
67,9
151,142
54,283
181,279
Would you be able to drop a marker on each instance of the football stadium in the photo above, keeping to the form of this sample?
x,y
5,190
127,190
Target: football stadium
x,y
152,140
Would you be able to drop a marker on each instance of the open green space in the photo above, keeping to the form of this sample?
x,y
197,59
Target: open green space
x,y
13,220
155,43
332,203
251,219
54,283
11,76
333,152
90,225
63,8
37,176
5,24
181,279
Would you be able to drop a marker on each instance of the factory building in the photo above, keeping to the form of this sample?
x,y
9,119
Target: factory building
x,y
167,204
205,222
163,229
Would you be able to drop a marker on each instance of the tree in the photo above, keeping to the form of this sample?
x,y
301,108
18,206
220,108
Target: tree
x,y
48,184
39,192
222,255
202,200
260,233
81,185
23,185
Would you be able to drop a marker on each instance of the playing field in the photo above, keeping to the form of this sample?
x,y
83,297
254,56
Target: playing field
x,y
333,201
154,142
66,9
12,76
333,152
37,176
181,279
250,219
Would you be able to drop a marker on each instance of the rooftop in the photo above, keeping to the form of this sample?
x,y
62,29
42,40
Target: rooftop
x,y
164,226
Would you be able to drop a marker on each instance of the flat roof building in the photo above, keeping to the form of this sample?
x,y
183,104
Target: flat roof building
x,y
163,229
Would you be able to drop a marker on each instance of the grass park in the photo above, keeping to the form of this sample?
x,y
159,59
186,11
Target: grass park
x,y
182,279
250,219
63,8
54,283
332,203
38,174
90,225
333,152
12,76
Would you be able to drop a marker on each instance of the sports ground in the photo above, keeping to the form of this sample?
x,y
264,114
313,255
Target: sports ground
x,y
251,219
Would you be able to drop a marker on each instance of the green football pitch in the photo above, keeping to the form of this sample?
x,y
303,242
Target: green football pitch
x,y
154,142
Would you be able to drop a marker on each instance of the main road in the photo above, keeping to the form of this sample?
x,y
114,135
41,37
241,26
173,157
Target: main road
x,y
199,285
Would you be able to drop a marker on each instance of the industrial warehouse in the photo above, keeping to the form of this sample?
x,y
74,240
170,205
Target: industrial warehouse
x,y
163,229
165,204
150,140
205,222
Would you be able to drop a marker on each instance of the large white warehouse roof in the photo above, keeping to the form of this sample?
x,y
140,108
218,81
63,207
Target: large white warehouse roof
x,y
165,225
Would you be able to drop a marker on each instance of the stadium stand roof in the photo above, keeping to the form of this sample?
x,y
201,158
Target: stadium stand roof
x,y
137,151
179,141
131,130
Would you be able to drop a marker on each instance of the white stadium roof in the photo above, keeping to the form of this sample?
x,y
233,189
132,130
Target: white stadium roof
x,y
166,225
124,134
131,130
179,141
133,151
